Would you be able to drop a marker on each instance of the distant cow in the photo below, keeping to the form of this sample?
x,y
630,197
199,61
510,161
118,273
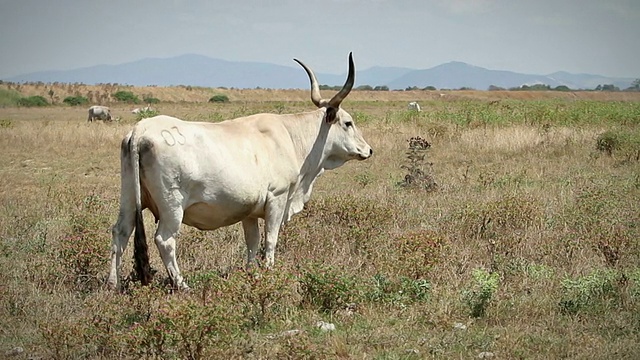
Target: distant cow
x,y
98,112
414,106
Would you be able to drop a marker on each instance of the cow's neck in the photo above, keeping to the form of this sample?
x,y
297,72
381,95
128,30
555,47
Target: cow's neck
x,y
309,136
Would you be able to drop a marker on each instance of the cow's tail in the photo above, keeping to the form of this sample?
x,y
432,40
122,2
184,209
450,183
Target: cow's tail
x,y
140,248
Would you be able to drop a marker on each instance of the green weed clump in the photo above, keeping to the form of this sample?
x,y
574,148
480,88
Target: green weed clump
x,y
479,295
33,101
361,117
327,288
219,98
75,100
594,292
126,96
623,143
146,113
148,99
416,253
397,290
9,97
188,328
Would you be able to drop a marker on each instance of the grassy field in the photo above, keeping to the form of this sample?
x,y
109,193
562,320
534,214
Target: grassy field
x,y
514,235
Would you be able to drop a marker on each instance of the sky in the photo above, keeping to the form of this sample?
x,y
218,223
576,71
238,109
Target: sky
x,y
527,36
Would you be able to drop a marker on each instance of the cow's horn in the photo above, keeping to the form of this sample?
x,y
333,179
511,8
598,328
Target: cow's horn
x,y
315,90
336,100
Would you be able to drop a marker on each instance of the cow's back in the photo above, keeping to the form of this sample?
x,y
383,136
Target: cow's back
x,y
231,165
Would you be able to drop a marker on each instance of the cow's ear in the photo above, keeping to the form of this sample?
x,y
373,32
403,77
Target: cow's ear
x,y
330,116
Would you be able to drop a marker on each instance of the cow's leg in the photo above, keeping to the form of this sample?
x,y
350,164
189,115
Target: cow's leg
x,y
165,239
120,232
274,212
252,238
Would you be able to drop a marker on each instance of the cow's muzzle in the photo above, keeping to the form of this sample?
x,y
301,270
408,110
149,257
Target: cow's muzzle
x,y
365,157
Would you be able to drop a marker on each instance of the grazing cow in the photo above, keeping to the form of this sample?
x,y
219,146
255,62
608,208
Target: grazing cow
x,y
210,175
98,112
414,106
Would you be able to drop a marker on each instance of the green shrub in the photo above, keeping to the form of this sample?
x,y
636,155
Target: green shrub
x,y
219,98
479,295
75,100
126,96
150,100
143,114
9,97
593,292
188,327
279,107
416,253
328,288
624,142
361,117
33,101
399,291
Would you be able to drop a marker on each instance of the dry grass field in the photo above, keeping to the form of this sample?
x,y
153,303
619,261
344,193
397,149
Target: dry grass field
x,y
517,237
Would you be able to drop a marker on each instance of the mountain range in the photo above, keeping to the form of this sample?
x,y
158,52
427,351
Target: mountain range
x,y
198,70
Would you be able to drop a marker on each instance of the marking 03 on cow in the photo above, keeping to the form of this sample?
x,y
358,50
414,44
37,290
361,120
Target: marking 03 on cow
x,y
173,136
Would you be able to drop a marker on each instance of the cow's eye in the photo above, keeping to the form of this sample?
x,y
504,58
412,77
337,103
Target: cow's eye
x,y
348,124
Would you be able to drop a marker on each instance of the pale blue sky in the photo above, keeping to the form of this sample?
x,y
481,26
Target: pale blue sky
x,y
529,36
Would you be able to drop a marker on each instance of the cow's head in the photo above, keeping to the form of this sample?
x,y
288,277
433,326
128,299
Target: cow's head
x,y
344,141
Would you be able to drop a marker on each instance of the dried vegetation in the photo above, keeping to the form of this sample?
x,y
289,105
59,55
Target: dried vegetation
x,y
521,241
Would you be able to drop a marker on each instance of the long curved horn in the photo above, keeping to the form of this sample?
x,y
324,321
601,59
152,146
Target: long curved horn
x,y
336,100
315,89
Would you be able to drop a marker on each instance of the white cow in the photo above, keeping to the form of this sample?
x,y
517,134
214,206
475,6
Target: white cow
x,y
98,112
210,175
414,106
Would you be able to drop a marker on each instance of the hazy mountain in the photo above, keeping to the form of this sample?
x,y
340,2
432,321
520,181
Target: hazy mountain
x,y
195,70
454,75
198,70
588,81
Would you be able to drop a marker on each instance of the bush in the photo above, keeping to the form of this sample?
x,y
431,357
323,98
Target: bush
x,y
143,114
419,251
479,295
9,97
417,176
328,288
592,292
33,101
75,100
400,291
126,96
150,100
607,142
626,143
220,98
